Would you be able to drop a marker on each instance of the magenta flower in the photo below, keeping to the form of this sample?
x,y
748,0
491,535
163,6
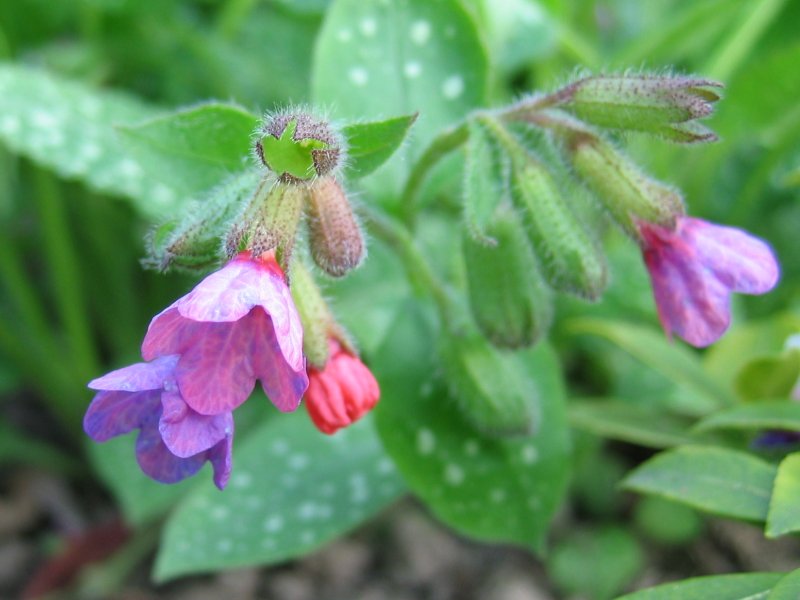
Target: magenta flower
x,y
237,325
695,267
174,441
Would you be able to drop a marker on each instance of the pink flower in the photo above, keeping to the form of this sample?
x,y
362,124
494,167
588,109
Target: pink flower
x,y
237,325
342,392
174,441
695,267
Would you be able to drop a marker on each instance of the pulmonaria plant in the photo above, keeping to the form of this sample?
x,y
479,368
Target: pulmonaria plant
x,y
695,266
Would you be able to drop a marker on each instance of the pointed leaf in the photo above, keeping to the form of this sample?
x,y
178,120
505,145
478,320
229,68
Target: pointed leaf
x,y
784,509
778,414
369,145
716,480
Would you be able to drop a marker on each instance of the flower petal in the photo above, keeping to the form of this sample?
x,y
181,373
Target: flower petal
x,y
169,333
215,374
186,432
743,262
282,384
221,460
137,377
158,462
228,294
114,413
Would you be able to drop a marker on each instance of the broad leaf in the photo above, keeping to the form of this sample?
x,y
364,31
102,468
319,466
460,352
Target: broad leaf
x,y
379,57
70,128
369,145
743,586
769,376
489,488
784,508
629,422
193,149
788,588
292,490
715,480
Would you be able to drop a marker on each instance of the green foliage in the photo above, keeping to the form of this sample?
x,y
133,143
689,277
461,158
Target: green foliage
x,y
748,586
784,512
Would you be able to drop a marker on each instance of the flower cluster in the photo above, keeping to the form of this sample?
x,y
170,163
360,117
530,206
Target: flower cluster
x,y
204,354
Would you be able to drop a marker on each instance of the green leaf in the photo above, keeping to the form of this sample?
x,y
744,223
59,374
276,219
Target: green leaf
x,y
769,376
369,145
192,149
788,588
140,498
292,490
670,359
595,563
742,586
781,414
70,128
378,57
667,522
716,480
784,509
488,488
630,422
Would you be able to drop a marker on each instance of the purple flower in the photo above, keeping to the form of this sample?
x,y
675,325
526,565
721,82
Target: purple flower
x,y
238,325
695,267
174,440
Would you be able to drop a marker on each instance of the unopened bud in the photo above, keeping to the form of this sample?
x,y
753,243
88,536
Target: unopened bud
x,y
627,192
298,147
662,105
572,260
268,222
509,299
337,245
492,386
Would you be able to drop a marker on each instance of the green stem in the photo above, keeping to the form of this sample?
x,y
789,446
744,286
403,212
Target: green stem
x,y
420,274
441,146
741,41
62,261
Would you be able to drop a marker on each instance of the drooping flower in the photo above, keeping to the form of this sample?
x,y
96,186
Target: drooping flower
x,y
237,325
174,441
695,267
341,392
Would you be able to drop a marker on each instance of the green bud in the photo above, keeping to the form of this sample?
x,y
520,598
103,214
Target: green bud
x,y
192,241
298,147
626,191
492,386
269,221
509,299
572,260
314,315
663,105
337,245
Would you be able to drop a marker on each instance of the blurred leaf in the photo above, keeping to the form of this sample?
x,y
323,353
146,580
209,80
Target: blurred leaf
x,y
17,447
774,414
304,7
141,499
667,522
630,422
595,563
741,586
788,588
715,480
784,509
488,488
519,31
375,58
369,145
292,490
769,377
69,128
192,149
672,360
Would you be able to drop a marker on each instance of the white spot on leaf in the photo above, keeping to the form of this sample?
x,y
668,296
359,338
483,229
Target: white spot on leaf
x,y
453,87
368,26
273,524
344,35
358,76
426,442
453,474
412,69
529,454
420,32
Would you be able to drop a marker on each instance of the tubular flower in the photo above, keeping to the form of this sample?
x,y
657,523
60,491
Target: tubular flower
x,y
174,440
695,267
237,325
340,393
